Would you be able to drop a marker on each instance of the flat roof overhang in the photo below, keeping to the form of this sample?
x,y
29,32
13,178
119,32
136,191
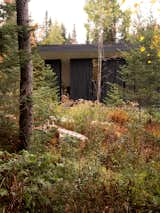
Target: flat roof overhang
x,y
80,51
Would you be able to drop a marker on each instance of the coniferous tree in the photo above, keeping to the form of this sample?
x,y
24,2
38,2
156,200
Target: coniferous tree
x,y
63,29
141,73
46,24
45,90
44,78
87,26
74,35
55,35
69,39
114,96
50,22
9,74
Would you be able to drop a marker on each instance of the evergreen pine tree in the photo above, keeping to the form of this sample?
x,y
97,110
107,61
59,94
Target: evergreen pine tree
x,y
141,72
63,29
55,35
74,35
44,83
114,96
9,75
69,40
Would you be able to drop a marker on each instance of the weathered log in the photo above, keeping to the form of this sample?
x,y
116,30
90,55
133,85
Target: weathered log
x,y
62,132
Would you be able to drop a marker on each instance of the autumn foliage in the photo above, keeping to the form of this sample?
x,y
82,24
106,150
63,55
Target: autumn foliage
x,y
116,169
118,116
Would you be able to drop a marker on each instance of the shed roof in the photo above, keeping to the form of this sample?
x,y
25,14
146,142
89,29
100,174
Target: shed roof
x,y
72,51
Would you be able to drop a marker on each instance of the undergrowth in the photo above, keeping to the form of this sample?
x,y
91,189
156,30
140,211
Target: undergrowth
x,y
116,170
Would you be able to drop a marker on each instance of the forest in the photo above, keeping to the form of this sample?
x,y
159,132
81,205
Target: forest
x,y
79,156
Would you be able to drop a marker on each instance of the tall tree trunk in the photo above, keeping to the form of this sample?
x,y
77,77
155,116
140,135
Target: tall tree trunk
x,y
25,120
100,61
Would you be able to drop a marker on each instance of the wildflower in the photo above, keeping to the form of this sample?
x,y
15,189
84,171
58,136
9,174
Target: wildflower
x,y
141,38
149,61
148,54
142,49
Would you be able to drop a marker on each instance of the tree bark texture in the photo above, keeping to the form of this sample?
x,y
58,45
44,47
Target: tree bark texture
x,y
25,119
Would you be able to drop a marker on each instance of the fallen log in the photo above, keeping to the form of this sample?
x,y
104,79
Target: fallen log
x,y
62,132
70,133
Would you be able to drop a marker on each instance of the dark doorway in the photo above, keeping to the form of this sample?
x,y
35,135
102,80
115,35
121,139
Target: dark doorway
x,y
110,74
56,66
81,79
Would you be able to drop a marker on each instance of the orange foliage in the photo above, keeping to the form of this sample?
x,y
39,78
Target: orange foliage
x,y
55,141
119,116
120,131
33,39
1,59
112,132
153,128
9,1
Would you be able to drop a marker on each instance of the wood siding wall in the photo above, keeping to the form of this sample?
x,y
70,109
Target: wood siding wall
x,y
81,79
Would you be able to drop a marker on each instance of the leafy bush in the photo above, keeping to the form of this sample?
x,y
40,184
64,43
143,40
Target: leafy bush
x,y
29,181
123,177
119,116
117,169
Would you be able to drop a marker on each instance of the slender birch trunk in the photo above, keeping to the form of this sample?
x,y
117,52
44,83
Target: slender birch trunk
x,y
100,61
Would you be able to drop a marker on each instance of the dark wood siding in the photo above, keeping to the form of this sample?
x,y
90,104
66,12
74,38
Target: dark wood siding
x,y
110,73
81,79
56,66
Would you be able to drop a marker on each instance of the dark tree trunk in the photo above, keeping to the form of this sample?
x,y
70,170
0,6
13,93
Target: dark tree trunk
x,y
25,120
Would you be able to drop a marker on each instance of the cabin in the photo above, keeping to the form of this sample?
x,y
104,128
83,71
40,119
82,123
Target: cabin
x,y
76,67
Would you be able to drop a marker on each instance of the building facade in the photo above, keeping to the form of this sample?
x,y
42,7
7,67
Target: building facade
x,y
76,67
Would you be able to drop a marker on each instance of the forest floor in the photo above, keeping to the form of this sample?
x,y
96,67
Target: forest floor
x,y
85,158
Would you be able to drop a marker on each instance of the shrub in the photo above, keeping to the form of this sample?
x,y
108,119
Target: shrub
x,y
114,96
119,116
117,169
